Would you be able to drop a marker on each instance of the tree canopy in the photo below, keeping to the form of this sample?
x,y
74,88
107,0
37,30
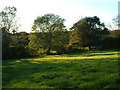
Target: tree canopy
x,y
45,28
50,36
7,19
86,32
8,26
48,23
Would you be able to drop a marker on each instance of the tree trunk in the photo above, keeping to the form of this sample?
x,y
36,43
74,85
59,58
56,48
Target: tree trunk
x,y
90,48
48,51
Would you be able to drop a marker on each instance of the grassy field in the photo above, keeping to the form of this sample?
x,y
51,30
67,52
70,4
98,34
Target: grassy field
x,y
94,69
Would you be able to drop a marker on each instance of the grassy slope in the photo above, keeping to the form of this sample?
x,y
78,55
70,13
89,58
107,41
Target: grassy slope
x,y
95,69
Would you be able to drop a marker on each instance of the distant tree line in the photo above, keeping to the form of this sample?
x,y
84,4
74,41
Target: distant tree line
x,y
50,36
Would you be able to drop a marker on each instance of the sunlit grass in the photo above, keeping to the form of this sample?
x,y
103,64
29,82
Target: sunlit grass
x,y
94,69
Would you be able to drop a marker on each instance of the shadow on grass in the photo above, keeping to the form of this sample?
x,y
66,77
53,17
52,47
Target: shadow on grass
x,y
59,72
28,73
37,72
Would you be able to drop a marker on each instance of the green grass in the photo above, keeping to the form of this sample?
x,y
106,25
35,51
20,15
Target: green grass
x,y
94,69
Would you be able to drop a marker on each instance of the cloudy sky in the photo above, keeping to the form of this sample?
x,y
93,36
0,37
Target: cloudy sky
x,y
71,10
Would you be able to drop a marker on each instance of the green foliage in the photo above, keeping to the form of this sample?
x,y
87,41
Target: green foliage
x,y
41,51
20,38
7,19
49,34
59,41
5,46
7,25
48,23
87,32
35,43
93,69
112,40
18,52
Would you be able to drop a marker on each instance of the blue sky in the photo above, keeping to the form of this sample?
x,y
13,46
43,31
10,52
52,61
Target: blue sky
x,y
71,10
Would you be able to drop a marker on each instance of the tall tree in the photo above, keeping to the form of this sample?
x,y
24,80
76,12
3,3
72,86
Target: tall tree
x,y
59,41
7,19
7,25
116,22
87,31
46,26
35,44
19,45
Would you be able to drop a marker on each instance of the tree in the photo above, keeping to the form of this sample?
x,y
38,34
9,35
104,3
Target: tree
x,y
116,22
19,45
46,28
7,19
87,32
111,41
59,41
35,44
19,39
7,25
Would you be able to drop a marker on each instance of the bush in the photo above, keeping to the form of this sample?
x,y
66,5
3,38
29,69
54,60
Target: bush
x,y
42,51
16,52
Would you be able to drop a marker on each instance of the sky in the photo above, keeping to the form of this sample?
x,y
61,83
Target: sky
x,y
70,10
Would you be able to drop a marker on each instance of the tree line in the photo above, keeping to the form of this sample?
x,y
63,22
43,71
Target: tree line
x,y
50,36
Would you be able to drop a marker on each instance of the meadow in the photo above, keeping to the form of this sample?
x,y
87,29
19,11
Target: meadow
x,y
93,69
